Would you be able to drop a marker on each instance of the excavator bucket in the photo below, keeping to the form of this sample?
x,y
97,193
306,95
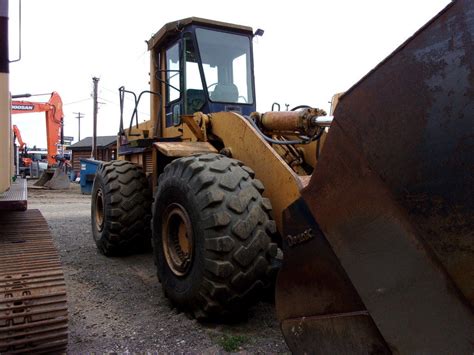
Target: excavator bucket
x,y
54,179
379,250
44,178
59,180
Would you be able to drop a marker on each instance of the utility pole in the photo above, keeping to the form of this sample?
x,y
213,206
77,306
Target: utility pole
x,y
79,116
94,138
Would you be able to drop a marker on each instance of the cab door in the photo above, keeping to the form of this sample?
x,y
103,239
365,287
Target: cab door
x,y
173,79
184,84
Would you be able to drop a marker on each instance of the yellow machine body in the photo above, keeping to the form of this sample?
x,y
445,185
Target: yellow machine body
x,y
370,224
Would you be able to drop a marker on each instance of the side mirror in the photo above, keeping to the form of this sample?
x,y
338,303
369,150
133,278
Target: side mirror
x,y
259,32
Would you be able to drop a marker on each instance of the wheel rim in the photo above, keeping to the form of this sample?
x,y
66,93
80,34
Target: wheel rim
x,y
99,210
177,238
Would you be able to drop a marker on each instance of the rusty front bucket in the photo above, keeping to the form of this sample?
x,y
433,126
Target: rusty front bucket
x,y
389,266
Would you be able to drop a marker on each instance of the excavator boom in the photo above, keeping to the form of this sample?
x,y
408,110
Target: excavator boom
x,y
390,264
16,132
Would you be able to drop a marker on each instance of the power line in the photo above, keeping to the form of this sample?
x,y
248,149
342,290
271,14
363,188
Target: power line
x,y
75,102
110,90
116,104
116,91
105,100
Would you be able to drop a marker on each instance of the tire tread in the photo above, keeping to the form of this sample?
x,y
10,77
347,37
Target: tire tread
x,y
238,233
127,199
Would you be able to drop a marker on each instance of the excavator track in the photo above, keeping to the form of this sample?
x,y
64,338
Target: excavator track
x,y
33,308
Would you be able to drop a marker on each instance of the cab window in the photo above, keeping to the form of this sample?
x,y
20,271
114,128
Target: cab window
x,y
194,92
173,74
226,65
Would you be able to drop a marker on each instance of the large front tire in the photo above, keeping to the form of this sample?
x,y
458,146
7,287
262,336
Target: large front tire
x,y
212,236
121,208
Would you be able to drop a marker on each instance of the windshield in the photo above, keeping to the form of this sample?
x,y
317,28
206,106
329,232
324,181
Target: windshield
x,y
226,63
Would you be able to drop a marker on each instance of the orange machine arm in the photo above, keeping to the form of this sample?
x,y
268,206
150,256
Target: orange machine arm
x,y
16,132
54,120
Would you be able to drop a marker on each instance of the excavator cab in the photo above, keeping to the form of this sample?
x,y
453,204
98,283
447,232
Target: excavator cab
x,y
204,66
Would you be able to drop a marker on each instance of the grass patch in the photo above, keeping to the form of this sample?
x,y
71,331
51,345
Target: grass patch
x,y
231,343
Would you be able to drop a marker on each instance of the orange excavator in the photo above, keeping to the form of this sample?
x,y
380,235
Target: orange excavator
x,y
54,120
16,132
24,161
54,177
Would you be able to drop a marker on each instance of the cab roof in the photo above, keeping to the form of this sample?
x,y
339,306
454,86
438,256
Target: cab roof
x,y
174,27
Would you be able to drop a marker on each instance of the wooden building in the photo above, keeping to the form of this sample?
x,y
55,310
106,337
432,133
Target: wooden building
x,y
106,151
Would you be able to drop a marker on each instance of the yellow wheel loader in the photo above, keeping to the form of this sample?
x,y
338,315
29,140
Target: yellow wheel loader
x,y
372,207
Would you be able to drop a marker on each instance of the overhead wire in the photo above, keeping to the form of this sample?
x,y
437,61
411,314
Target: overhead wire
x,y
116,104
78,101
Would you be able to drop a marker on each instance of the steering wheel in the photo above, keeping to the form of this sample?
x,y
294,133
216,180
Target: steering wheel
x,y
212,85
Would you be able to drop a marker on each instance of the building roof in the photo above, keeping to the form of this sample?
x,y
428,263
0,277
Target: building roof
x,y
102,142
174,27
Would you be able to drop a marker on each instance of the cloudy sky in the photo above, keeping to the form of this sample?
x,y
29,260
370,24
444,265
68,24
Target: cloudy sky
x,y
310,49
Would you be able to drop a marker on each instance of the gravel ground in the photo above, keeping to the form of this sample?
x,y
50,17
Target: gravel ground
x,y
116,305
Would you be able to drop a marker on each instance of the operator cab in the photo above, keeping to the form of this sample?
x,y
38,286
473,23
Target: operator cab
x,y
202,65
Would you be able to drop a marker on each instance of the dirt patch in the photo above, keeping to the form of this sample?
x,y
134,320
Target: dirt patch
x,y
117,305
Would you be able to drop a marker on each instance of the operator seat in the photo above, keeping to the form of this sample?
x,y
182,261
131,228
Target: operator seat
x,y
195,100
225,93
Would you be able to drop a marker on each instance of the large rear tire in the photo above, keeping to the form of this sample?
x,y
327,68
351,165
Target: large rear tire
x,y
212,236
121,208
